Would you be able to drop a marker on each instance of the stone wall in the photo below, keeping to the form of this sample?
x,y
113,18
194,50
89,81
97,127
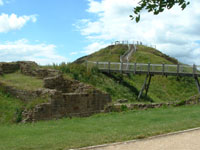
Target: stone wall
x,y
32,69
68,105
65,97
58,83
68,86
8,67
71,98
26,95
118,107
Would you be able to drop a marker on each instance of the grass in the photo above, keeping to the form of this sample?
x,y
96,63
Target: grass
x,y
110,53
150,55
21,81
98,129
162,89
165,89
95,78
9,108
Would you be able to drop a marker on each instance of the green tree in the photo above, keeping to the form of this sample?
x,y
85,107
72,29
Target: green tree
x,y
156,6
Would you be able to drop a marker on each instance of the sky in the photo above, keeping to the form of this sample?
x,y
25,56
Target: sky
x,y
55,31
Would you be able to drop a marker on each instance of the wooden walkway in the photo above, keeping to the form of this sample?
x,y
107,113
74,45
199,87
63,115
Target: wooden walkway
x,y
153,69
149,70
127,55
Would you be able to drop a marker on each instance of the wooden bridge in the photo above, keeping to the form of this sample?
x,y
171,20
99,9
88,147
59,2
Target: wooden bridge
x,y
149,70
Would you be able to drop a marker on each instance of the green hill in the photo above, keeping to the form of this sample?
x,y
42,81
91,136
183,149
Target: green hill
x,y
119,86
162,88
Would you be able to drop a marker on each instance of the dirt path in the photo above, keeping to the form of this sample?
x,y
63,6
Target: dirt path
x,y
189,140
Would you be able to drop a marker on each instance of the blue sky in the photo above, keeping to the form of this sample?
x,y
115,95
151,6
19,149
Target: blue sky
x,y
54,23
50,31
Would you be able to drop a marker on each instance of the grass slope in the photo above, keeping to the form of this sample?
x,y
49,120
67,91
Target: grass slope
x,y
9,108
102,128
162,89
150,55
111,53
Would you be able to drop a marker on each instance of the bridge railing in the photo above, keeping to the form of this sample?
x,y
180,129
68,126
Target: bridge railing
x,y
133,42
145,68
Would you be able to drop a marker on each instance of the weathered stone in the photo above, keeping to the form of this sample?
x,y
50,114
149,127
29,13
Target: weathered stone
x,y
68,105
26,95
58,83
32,69
122,101
8,67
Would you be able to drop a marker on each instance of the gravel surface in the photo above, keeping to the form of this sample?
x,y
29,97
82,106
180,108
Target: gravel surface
x,y
188,140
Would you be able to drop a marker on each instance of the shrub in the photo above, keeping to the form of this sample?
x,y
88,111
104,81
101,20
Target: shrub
x,y
124,108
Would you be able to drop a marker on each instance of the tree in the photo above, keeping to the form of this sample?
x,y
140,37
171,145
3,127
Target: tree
x,y
156,6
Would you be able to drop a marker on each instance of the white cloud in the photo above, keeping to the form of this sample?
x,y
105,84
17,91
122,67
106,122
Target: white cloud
x,y
13,22
174,31
73,53
94,47
1,2
24,50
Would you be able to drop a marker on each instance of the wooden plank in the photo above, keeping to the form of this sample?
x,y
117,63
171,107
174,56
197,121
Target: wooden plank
x,y
143,87
178,68
97,64
135,67
147,87
109,67
194,70
197,84
121,67
148,68
163,69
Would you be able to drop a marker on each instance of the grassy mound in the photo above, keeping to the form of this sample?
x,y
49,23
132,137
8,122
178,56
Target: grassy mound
x,y
111,53
162,89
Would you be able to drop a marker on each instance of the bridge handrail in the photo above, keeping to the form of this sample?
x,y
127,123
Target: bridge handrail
x,y
148,68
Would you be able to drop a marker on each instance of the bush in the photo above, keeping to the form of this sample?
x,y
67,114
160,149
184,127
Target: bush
x,y
124,108
18,115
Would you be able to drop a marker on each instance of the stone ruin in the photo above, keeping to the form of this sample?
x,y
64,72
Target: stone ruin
x,y
66,98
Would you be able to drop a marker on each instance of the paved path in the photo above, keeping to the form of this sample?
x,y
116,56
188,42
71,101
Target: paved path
x,y
189,140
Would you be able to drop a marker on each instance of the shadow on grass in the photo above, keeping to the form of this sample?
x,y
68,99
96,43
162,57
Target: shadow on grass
x,y
119,78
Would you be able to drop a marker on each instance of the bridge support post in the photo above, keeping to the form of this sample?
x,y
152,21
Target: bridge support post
x,y
178,69
145,86
194,70
163,69
135,67
97,65
197,83
109,67
121,67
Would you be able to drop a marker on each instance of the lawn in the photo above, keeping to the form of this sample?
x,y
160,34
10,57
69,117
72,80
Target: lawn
x,y
98,129
22,81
